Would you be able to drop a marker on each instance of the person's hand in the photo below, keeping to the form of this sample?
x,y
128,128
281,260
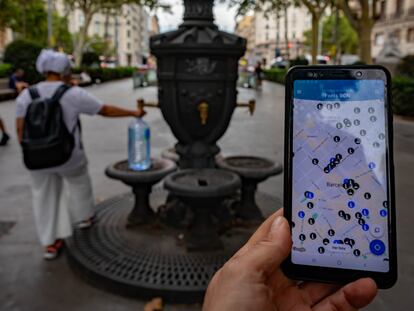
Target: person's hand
x,y
253,281
139,113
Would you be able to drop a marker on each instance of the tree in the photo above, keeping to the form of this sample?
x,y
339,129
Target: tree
x,y
346,42
89,8
316,9
61,36
362,15
7,12
30,20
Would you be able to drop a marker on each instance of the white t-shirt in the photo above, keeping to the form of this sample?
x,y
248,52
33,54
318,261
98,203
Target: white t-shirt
x,y
74,102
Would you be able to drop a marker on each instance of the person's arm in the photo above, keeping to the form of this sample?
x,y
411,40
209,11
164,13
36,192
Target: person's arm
x,y
19,128
114,112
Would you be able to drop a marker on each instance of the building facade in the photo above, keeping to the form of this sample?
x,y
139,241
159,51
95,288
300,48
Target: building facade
x,y
270,33
245,28
128,31
397,20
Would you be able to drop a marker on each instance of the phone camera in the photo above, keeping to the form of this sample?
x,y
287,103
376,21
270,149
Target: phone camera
x,y
358,74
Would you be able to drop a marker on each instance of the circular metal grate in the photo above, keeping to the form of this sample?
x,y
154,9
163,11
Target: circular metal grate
x,y
147,262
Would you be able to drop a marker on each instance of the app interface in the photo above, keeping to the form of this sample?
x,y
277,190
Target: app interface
x,y
339,188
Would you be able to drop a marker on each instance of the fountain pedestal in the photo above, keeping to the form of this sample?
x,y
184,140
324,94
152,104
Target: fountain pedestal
x,y
141,183
252,171
203,191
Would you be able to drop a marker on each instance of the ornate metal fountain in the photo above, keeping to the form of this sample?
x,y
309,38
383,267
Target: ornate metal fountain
x,y
175,252
197,76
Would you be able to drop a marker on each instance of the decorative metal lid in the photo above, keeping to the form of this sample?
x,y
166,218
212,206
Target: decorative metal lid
x,y
198,10
198,33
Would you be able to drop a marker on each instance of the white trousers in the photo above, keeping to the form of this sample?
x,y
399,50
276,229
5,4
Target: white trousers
x,y
59,201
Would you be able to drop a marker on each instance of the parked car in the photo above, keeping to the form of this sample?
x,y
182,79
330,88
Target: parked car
x,y
278,62
320,59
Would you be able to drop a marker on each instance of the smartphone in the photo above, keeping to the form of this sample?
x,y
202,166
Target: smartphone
x,y
339,174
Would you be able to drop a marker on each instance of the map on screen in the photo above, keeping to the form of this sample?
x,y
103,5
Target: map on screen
x,y
339,171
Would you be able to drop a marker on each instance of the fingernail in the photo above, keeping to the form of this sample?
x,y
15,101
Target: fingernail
x,y
277,223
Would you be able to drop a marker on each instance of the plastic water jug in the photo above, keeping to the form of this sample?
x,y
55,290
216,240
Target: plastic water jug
x,y
139,147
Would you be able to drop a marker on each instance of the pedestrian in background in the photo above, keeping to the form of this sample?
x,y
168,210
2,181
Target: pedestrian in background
x,y
259,74
62,195
16,81
5,136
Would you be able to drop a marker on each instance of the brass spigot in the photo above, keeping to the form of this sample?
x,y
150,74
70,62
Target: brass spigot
x,y
251,105
142,104
203,110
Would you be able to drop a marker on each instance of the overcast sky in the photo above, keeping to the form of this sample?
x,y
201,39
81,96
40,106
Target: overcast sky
x,y
223,14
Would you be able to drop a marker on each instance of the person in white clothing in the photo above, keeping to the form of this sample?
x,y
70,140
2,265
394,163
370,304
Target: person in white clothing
x,y
62,195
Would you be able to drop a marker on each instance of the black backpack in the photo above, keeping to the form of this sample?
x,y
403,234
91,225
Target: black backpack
x,y
47,141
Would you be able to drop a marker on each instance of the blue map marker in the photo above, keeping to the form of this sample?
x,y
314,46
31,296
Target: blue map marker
x,y
377,247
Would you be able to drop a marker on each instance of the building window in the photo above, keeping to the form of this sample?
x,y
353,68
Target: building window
x,y
399,7
397,35
129,45
410,34
383,9
128,33
379,38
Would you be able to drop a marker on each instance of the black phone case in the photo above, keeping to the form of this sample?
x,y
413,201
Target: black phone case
x,y
327,274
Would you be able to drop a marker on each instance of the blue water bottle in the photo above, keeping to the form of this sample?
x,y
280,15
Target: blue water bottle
x,y
139,155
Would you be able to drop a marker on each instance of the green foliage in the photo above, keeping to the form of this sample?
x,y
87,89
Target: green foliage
x,y
275,75
62,37
406,66
90,59
5,70
347,36
30,20
7,12
100,46
107,74
23,54
402,94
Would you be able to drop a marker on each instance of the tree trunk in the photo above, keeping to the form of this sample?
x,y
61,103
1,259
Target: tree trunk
x,y
364,34
83,34
315,34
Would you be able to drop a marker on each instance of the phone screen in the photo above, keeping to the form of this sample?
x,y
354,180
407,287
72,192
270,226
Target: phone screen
x,y
339,175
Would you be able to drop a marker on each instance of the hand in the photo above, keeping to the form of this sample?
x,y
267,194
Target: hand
x,y
253,281
139,113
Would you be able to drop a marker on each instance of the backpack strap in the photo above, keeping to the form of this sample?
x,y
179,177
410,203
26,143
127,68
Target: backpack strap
x,y
61,90
34,93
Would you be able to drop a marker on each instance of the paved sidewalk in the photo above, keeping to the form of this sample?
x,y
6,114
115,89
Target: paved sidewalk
x,y
29,283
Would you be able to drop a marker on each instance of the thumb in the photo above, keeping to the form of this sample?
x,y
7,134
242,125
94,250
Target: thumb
x,y
267,254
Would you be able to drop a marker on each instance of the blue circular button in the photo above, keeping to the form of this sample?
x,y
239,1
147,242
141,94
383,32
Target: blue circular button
x,y
371,165
365,227
383,213
351,204
301,214
365,212
377,247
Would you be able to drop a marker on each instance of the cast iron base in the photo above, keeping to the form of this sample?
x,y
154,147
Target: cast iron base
x,y
147,262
